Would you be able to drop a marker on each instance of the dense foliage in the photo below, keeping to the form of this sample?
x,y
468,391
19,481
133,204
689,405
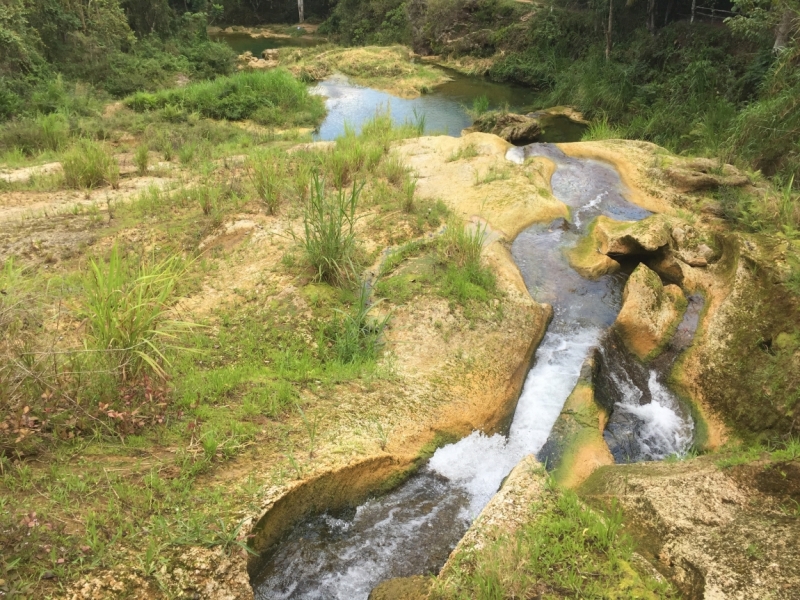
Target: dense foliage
x,y
116,46
726,84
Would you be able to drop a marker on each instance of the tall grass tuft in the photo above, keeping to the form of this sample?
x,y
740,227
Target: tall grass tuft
x,y
267,174
88,165
329,221
127,309
602,129
141,158
354,336
465,277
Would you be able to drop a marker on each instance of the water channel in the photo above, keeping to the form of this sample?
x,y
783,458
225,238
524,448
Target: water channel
x,y
413,529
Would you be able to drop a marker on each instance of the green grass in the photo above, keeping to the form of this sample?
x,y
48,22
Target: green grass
x,y
127,307
270,98
329,240
565,550
354,336
268,174
88,165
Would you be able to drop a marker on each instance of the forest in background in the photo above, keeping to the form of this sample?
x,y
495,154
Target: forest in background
x,y
718,80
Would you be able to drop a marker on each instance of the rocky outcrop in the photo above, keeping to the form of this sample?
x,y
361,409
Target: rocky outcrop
x,y
637,238
507,511
650,313
517,129
248,61
713,534
704,174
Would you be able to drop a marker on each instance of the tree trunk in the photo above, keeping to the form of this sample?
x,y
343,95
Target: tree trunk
x,y
300,9
783,31
609,28
651,16
694,6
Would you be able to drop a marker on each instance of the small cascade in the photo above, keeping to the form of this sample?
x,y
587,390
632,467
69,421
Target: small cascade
x,y
648,421
411,530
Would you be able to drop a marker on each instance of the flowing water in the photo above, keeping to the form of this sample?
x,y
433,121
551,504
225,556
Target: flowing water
x,y
412,530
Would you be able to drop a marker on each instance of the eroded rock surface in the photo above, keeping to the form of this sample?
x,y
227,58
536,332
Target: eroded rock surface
x,y
650,312
714,536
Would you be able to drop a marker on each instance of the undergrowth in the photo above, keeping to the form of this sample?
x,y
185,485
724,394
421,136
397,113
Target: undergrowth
x,y
267,97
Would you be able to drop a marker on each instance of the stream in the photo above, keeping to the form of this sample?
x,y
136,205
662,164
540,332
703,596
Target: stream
x,y
412,530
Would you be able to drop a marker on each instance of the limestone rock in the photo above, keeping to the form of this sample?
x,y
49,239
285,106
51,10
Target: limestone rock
x,y
650,312
716,533
587,260
270,54
692,248
704,174
632,238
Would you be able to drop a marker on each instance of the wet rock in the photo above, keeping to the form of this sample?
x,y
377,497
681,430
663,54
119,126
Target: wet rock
x,y
575,447
650,312
586,258
704,174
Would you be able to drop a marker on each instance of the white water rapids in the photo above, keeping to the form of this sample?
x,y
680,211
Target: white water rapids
x,y
412,529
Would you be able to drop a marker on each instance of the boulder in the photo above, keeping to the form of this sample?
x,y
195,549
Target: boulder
x,y
587,260
514,128
650,313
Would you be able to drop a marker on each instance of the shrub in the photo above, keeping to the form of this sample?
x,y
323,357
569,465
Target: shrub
x,y
88,164
127,310
329,226
34,135
270,97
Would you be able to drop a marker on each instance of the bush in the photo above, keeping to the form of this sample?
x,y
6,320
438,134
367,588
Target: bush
x,y
88,165
271,98
329,226
31,136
